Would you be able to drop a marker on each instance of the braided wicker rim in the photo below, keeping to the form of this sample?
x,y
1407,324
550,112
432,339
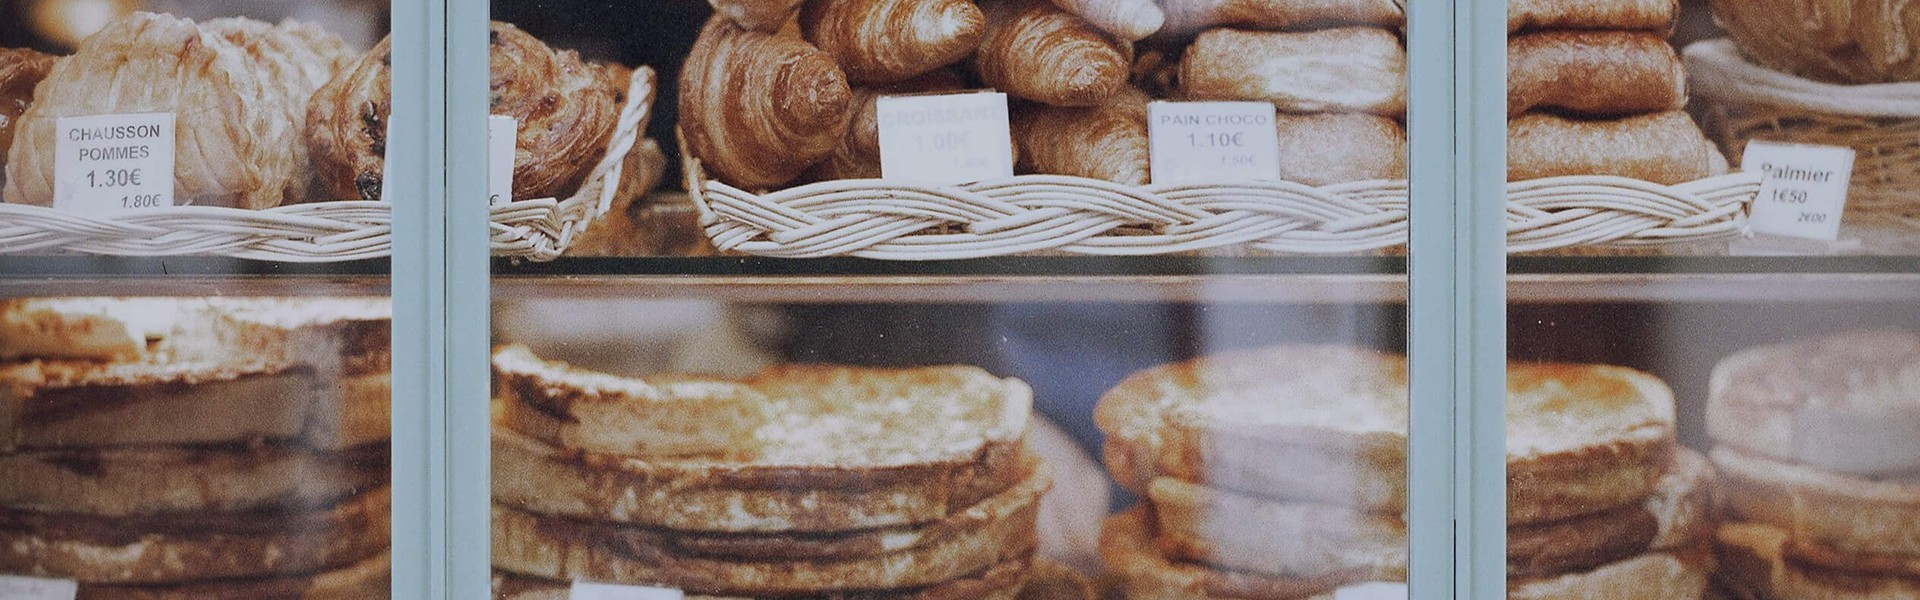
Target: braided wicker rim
x,y
1881,122
322,232
881,219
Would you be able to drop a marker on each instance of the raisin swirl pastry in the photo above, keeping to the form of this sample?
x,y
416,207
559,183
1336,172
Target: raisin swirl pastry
x,y
238,89
567,108
20,71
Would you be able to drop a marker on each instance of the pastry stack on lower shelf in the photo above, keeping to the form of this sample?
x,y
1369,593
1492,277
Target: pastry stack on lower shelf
x,y
188,449
808,481
1815,443
1280,473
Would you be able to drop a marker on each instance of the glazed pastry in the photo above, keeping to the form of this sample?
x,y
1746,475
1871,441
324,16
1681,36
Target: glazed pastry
x,y
1665,148
1128,20
1188,17
1035,51
881,41
567,110
1351,69
1626,15
758,109
20,71
238,89
1837,41
858,156
1595,73
1326,149
1103,142
757,15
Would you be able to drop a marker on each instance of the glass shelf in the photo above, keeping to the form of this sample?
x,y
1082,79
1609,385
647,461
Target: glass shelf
x,y
186,276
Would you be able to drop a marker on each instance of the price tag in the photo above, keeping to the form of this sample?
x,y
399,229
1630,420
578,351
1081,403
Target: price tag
x,y
109,163
35,588
606,591
503,134
1805,188
1377,590
945,138
1213,141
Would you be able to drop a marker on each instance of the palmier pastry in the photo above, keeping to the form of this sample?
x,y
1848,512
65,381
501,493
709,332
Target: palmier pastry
x,y
20,71
567,110
238,90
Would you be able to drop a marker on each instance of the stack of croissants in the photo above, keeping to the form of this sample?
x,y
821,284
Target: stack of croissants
x,y
267,115
781,92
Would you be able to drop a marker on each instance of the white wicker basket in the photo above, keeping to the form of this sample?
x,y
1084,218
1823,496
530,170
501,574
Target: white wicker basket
x,y
881,219
537,229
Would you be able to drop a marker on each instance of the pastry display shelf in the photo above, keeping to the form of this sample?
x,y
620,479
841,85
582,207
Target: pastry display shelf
x,y
22,276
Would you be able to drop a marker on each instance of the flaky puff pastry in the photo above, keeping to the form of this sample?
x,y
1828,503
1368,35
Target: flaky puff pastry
x,y
1326,149
1594,73
858,156
20,71
1347,69
758,109
1665,148
238,89
1106,142
1838,41
567,111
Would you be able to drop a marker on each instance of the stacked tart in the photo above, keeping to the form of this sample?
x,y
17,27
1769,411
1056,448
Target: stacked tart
x,y
1280,473
1593,88
1815,441
811,481
207,448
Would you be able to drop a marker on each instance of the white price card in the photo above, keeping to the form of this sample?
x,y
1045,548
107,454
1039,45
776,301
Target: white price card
x,y
111,163
35,588
1372,591
1805,188
945,138
1218,141
606,591
503,135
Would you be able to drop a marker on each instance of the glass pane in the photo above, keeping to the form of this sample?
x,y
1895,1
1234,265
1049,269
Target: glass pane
x,y
818,347
194,385
1715,400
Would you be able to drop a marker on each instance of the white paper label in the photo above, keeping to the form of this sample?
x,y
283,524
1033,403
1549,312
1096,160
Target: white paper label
x,y
1213,141
945,138
35,588
1372,591
1805,188
606,591
112,163
503,133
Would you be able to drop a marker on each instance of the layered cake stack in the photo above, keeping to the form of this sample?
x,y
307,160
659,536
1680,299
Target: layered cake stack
x,y
1594,88
1817,446
1280,474
1336,71
801,481
192,449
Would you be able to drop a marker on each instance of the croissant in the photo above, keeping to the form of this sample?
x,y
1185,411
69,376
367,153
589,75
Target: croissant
x,y
758,109
758,15
20,71
567,111
1351,69
1128,20
1665,148
1596,73
1103,142
880,41
1188,17
858,156
238,89
1326,149
1625,15
1038,52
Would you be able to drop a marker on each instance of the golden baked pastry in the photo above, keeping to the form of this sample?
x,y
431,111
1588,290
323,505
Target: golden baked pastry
x,y
758,109
858,156
1596,73
1107,142
1621,15
1839,41
20,70
1665,148
567,109
1347,69
1325,149
239,90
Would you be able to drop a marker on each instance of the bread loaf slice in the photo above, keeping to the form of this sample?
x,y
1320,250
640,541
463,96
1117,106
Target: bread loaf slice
x,y
189,547
1847,403
194,406
161,480
1844,512
1126,546
1677,575
1676,517
369,578
579,409
994,531
1003,581
346,334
